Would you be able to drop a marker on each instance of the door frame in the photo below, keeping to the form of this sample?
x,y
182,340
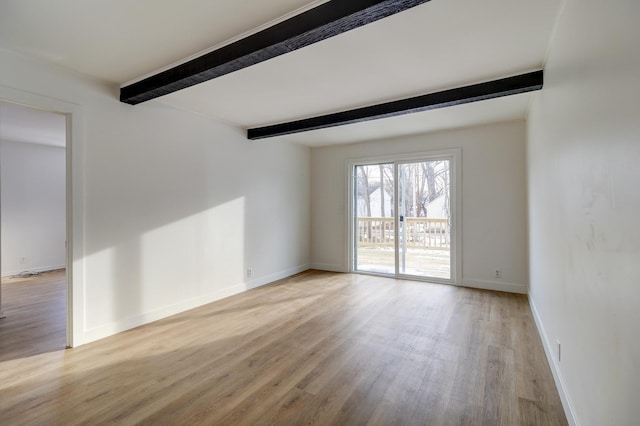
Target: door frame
x,y
455,155
75,196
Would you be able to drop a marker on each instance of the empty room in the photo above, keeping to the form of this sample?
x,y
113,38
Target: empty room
x,y
320,212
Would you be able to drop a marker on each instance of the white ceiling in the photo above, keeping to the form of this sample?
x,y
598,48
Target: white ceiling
x,y
437,45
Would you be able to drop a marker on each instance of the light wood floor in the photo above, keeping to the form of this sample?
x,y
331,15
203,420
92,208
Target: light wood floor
x,y
317,348
36,312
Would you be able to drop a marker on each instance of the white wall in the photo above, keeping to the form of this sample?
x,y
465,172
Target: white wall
x,y
584,198
33,207
177,205
494,224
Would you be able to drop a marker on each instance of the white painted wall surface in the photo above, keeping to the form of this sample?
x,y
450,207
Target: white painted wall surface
x,y
584,186
33,207
177,204
494,224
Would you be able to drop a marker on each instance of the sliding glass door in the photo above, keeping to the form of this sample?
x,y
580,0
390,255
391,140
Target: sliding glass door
x,y
402,218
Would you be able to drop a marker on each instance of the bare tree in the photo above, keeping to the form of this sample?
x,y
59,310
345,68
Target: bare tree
x,y
382,193
364,189
387,185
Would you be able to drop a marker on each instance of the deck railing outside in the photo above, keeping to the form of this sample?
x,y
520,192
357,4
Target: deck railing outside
x,y
421,232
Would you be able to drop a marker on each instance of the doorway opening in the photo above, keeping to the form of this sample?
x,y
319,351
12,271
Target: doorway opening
x,y
33,231
404,220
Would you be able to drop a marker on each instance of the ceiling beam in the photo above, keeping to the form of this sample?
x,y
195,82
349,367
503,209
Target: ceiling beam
x,y
458,96
322,22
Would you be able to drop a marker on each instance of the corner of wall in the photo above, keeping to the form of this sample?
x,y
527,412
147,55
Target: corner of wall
x,y
328,267
496,286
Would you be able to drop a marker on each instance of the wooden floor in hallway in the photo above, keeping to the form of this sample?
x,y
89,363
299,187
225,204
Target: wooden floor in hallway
x,y
317,348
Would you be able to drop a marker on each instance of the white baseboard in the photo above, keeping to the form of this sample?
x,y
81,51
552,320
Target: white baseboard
x,y
116,327
328,267
258,282
496,285
38,270
555,370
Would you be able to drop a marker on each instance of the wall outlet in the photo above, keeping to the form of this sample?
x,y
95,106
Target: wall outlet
x,y
249,272
498,273
559,350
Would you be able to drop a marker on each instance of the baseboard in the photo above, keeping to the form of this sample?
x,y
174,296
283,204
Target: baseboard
x,y
259,282
496,285
555,370
38,270
328,267
107,330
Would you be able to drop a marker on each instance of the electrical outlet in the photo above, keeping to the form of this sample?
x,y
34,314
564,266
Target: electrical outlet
x,y
249,272
498,273
559,351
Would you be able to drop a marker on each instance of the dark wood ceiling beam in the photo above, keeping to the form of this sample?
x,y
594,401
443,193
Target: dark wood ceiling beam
x,y
458,96
317,24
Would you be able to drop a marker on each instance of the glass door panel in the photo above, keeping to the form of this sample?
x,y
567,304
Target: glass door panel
x,y
424,212
374,219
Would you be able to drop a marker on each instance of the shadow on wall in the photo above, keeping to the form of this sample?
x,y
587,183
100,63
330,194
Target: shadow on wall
x,y
167,217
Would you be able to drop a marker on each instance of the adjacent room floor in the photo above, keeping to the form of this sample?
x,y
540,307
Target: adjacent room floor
x,y
318,347
36,315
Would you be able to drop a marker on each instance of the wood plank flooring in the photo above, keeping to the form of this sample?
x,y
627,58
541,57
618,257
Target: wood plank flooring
x,y
317,348
36,315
